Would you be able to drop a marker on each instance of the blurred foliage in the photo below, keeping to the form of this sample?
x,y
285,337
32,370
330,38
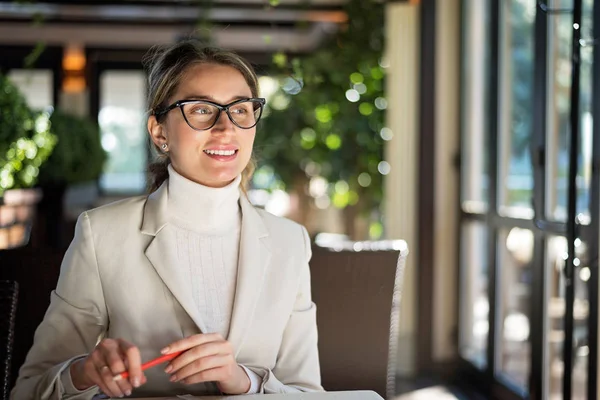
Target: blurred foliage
x,y
327,117
78,155
25,139
522,35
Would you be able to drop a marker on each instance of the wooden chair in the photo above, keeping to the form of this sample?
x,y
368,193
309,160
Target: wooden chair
x,y
357,287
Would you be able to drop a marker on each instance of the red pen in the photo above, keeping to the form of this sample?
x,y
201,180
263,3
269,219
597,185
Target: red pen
x,y
149,364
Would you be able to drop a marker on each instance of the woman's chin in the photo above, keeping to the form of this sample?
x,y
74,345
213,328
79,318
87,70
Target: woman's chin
x,y
220,179
221,171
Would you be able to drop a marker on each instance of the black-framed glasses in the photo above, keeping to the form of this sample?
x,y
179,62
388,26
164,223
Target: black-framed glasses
x,y
201,115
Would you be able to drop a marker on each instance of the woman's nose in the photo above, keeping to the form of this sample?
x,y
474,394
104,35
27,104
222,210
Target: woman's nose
x,y
224,122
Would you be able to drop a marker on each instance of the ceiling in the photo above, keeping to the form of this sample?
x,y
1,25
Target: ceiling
x,y
244,25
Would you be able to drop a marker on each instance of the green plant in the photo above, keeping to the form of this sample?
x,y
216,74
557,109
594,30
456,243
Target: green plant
x,y
25,139
78,155
327,119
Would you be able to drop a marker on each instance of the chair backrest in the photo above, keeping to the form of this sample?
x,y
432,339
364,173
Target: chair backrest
x,y
9,291
36,272
357,288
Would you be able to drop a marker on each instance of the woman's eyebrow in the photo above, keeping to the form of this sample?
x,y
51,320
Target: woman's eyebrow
x,y
210,98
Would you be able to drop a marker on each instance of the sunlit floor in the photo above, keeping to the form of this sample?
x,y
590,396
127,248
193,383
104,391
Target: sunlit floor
x,y
436,392
426,389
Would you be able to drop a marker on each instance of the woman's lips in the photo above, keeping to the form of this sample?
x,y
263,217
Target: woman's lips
x,y
221,154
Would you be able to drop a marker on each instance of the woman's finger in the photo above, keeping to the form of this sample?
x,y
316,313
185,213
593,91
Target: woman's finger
x,y
114,390
209,375
95,367
200,365
116,363
191,341
132,356
198,352
109,390
93,374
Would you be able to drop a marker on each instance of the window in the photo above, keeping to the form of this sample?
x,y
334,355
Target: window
x,y
474,294
475,171
556,248
516,105
474,280
515,180
36,85
558,136
515,256
123,128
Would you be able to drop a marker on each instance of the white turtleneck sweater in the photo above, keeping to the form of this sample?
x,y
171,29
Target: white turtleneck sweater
x,y
207,224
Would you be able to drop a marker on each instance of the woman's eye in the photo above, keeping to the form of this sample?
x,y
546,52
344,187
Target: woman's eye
x,y
201,110
239,111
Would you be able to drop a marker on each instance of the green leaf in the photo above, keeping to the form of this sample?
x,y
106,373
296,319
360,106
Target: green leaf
x,y
323,114
25,139
365,109
280,59
333,141
357,78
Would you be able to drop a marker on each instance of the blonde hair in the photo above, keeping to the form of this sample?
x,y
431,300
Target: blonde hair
x,y
166,68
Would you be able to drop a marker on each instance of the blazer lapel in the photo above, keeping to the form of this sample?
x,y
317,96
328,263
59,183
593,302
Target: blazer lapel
x,y
162,252
254,257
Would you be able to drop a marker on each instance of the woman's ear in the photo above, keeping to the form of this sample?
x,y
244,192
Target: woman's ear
x,y
156,131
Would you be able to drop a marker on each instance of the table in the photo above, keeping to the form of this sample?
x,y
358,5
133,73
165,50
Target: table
x,y
349,395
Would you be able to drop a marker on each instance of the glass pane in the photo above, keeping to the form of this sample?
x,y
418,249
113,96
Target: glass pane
x,y
585,114
556,250
123,127
474,295
558,121
37,86
515,180
515,253
475,99
582,295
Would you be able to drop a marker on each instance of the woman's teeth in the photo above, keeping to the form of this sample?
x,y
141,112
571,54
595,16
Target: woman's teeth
x,y
220,152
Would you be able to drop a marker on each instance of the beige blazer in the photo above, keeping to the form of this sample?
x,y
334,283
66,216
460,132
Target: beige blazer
x,y
118,280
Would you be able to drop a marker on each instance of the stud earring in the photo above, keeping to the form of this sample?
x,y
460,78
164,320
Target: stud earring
x,y
164,147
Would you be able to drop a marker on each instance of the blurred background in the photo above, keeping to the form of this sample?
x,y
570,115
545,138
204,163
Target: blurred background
x,y
442,123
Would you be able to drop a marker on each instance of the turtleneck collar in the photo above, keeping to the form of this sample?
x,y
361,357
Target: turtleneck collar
x,y
201,208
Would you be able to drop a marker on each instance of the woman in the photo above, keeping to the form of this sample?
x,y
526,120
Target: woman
x,y
193,267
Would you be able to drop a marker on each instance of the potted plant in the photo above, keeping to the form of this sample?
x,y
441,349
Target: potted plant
x,y
25,144
327,122
78,158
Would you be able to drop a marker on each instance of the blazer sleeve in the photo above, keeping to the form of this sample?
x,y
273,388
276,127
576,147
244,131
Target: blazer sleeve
x,y
74,322
297,368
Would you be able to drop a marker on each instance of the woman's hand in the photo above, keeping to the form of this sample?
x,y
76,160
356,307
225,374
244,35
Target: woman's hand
x,y
209,358
109,358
